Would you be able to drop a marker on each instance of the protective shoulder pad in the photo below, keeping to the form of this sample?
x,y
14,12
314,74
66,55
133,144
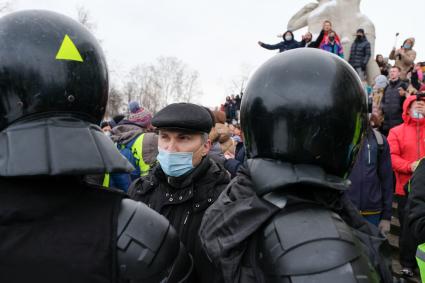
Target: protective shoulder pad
x,y
311,245
149,249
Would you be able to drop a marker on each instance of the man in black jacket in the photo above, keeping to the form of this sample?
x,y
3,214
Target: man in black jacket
x,y
307,41
392,101
186,181
360,54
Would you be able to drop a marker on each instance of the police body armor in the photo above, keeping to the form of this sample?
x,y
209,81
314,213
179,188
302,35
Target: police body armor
x,y
53,94
153,253
319,247
306,242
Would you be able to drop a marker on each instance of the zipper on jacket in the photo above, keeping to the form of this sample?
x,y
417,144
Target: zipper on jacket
x,y
187,216
368,153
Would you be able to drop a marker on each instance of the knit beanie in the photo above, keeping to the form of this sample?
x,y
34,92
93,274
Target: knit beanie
x,y
380,82
139,115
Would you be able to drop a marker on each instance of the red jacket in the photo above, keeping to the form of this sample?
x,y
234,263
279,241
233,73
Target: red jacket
x,y
407,144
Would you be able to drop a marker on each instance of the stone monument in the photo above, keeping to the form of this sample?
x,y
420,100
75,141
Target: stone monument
x,y
346,18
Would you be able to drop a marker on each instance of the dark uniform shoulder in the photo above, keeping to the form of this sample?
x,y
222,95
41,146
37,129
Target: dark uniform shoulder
x,y
149,248
320,247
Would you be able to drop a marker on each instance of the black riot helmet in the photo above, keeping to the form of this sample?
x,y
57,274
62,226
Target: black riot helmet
x,y
50,65
305,106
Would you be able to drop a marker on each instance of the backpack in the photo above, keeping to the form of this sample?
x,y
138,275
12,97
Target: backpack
x,y
127,152
380,141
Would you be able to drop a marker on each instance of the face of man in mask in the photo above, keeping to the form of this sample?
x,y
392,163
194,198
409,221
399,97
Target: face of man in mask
x,y
408,44
107,129
359,35
181,151
288,36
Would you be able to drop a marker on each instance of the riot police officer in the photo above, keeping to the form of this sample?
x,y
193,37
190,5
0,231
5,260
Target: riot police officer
x,y
54,227
285,218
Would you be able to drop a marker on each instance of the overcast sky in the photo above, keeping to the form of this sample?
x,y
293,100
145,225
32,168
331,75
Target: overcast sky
x,y
217,38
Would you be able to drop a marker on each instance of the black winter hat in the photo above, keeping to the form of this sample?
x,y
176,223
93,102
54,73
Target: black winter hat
x,y
183,116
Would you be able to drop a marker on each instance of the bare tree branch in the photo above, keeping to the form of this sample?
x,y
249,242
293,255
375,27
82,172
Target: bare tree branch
x,y
5,6
166,81
238,83
115,102
84,17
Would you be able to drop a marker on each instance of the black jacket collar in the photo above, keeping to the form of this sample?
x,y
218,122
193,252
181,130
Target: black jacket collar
x,y
394,83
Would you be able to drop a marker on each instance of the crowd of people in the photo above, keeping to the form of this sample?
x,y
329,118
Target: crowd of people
x,y
231,107
197,157
391,151
327,40
298,188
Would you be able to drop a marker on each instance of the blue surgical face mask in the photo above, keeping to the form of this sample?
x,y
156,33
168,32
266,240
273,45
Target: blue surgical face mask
x,y
417,115
407,46
175,164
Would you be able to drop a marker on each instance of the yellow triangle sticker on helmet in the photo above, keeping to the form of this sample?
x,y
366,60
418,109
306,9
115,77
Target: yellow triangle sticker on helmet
x,y
68,51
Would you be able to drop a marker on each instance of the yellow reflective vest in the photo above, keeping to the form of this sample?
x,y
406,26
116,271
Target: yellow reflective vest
x,y
137,151
420,258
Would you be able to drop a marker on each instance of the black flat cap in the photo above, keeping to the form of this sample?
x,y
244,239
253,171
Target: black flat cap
x,y
183,116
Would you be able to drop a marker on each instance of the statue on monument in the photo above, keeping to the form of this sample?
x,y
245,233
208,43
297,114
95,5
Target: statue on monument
x,y
346,18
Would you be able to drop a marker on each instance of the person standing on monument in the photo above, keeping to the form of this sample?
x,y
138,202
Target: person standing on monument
x,y
324,34
288,43
404,57
307,40
331,45
360,53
